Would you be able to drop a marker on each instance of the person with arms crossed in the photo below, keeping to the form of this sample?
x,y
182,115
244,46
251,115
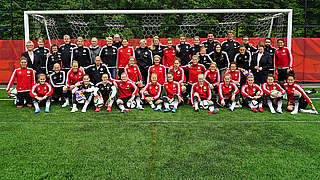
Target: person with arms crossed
x,y
282,61
94,49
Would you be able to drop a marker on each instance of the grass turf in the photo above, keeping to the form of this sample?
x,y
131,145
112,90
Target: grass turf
x,y
237,145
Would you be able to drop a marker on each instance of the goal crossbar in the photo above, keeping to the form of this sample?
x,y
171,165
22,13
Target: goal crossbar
x,y
173,11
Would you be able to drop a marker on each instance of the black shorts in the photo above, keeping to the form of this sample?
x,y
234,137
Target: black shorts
x,y
282,74
302,103
57,93
23,96
125,99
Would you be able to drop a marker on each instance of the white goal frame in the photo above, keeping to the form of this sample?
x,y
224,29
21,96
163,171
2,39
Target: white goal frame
x,y
178,11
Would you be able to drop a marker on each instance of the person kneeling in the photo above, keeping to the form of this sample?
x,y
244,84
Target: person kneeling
x,y
228,93
82,94
201,95
41,92
252,94
106,91
151,93
173,94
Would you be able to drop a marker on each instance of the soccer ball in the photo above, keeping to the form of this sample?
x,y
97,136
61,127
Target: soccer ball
x,y
13,93
80,97
98,101
275,92
204,104
131,104
255,103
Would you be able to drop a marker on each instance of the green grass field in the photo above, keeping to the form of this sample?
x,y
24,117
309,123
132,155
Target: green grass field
x,y
152,145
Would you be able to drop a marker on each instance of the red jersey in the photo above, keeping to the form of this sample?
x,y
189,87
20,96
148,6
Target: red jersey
x,y
25,79
204,91
235,75
212,77
172,88
41,90
123,56
133,73
194,70
178,75
283,58
127,88
160,70
290,92
226,91
73,78
266,88
254,90
169,54
154,90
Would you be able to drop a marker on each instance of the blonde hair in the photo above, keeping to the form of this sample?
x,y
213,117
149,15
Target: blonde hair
x,y
29,43
153,47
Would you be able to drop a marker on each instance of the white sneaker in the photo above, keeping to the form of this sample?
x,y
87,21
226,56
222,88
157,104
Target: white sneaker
x,y
153,106
74,110
294,112
273,111
279,111
231,108
84,110
140,108
65,104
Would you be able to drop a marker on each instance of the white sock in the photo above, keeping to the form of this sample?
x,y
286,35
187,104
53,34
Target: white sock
x,y
196,105
233,105
296,107
279,104
111,102
48,104
271,106
175,103
74,106
260,104
166,105
307,111
36,105
250,105
121,107
159,106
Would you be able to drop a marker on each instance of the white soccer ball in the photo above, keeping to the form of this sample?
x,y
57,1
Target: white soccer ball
x,y
275,92
13,93
255,103
204,104
131,104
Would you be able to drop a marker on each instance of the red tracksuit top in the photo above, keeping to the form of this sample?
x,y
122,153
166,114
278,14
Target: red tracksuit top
x,y
154,90
204,91
160,70
226,91
123,56
73,78
290,92
212,77
254,90
194,70
127,88
235,75
133,73
41,90
178,75
172,88
283,58
25,79
169,54
266,88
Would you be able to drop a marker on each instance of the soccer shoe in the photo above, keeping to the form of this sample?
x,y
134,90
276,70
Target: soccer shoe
x,y
174,110
279,111
216,110
254,109
273,111
65,104
19,106
166,110
37,111
294,112
97,109
231,108
47,110
29,105
158,110
196,109
108,108
140,108
261,109
74,110
125,110
153,106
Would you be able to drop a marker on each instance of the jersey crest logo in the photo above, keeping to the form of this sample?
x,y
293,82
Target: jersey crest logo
x,y
84,51
128,50
28,72
283,51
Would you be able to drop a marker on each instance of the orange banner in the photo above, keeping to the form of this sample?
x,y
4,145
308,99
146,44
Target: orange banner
x,y
305,51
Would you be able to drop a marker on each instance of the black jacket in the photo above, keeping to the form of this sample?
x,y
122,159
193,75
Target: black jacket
x,y
58,79
108,55
35,65
66,50
243,60
51,60
265,62
82,55
96,73
231,48
184,53
221,59
210,45
41,55
144,57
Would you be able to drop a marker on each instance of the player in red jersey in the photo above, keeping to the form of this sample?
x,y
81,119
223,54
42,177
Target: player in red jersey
x,y
74,76
133,72
158,69
273,93
151,93
282,61
228,93
298,100
201,95
124,52
41,92
212,75
252,94
128,94
173,93
235,73
25,80
169,54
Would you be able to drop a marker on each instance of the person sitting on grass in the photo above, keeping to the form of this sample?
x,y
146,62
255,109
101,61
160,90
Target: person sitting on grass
x,y
151,93
212,75
298,100
82,94
235,73
273,93
252,94
133,72
173,95
106,92
41,92
228,93
201,95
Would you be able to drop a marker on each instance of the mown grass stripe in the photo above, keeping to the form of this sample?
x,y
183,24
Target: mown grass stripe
x,y
152,151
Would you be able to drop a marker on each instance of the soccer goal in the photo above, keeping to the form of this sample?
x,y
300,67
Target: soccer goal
x,y
255,23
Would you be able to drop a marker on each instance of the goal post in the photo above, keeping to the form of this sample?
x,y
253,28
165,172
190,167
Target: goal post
x,y
190,15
